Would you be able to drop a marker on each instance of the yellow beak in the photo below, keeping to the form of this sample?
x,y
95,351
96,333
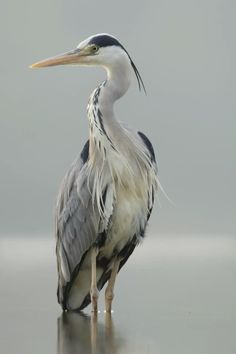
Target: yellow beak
x,y
72,57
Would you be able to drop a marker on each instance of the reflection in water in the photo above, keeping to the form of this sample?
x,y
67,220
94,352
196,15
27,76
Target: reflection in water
x,y
81,334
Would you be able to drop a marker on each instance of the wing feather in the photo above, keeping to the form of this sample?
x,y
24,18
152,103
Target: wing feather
x,y
78,222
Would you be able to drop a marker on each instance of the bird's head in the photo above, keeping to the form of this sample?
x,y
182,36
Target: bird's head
x,y
98,50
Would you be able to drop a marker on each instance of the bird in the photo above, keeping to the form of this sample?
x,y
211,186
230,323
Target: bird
x,y
106,197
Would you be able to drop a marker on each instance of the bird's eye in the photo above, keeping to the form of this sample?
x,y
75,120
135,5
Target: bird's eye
x,y
94,48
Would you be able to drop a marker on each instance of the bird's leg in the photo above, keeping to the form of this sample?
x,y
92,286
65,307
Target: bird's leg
x,y
109,292
94,289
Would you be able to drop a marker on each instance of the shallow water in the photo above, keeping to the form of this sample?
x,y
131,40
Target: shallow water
x,y
175,295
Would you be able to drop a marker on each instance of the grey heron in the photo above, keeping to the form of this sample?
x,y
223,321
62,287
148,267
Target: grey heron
x,y
106,197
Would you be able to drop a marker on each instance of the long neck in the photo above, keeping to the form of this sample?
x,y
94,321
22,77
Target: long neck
x,y
105,130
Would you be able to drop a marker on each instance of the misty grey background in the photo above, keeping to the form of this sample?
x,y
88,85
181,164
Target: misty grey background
x,y
185,51
177,292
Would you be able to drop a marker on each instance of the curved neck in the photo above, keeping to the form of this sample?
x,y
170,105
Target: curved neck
x,y
117,83
104,127
118,78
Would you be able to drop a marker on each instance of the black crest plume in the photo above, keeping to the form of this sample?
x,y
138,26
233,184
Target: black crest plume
x,y
104,40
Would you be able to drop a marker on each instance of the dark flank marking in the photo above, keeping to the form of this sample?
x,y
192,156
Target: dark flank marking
x,y
85,152
150,206
85,303
104,278
153,159
124,255
148,145
129,247
101,239
128,253
106,41
103,262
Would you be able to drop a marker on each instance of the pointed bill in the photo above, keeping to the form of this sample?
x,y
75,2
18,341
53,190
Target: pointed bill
x,y
67,58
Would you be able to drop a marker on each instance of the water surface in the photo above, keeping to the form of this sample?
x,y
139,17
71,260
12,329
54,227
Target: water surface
x,y
175,295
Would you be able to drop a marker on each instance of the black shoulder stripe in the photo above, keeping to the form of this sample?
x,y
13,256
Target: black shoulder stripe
x,y
149,146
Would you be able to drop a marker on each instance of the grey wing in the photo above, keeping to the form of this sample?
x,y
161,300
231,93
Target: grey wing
x,y
78,222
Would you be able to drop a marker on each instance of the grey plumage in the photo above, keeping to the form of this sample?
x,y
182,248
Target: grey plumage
x,y
79,223
107,195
